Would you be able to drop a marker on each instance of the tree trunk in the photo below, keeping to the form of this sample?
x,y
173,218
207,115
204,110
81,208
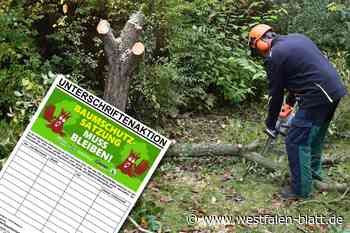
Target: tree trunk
x,y
123,55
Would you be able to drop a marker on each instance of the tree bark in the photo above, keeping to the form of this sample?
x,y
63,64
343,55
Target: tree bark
x,y
265,162
200,150
331,186
122,58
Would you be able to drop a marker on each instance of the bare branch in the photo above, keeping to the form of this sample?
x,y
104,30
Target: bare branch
x,y
131,31
110,42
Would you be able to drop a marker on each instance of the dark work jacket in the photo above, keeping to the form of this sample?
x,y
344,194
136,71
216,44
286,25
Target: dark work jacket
x,y
296,64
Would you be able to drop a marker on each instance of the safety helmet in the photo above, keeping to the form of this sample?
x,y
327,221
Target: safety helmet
x,y
255,35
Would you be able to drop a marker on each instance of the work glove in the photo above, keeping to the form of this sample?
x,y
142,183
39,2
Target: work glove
x,y
272,133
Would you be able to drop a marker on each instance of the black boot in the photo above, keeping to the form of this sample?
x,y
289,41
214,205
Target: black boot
x,y
315,176
287,193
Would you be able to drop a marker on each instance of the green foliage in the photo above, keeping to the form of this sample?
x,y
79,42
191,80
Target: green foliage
x,y
199,46
324,21
196,51
340,125
69,39
154,90
147,213
208,63
202,47
210,47
18,54
22,84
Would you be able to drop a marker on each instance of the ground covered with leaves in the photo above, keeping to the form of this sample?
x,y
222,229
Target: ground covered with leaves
x,y
233,186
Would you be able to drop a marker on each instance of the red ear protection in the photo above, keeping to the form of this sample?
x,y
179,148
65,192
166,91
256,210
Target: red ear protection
x,y
263,46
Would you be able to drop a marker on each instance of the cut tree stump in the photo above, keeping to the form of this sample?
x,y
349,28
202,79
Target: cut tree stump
x,y
123,55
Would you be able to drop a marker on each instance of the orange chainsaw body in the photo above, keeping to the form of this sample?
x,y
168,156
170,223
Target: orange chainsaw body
x,y
285,111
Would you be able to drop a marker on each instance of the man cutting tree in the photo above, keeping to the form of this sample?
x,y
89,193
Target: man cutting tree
x,y
294,63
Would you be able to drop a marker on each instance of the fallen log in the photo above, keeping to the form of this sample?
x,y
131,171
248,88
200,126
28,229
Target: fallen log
x,y
201,150
334,161
331,186
273,166
238,150
265,162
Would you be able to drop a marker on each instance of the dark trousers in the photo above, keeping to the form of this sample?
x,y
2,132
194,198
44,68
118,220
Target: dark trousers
x,y
304,144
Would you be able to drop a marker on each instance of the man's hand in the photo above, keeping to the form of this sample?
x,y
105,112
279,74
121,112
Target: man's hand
x,y
272,133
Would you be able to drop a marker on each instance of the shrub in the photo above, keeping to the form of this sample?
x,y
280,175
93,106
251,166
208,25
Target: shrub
x,y
325,22
205,44
21,80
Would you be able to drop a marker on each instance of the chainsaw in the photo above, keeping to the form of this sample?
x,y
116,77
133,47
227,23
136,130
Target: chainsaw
x,y
282,125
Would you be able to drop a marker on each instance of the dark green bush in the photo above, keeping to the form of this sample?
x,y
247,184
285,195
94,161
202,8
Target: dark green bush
x,y
21,81
324,21
205,44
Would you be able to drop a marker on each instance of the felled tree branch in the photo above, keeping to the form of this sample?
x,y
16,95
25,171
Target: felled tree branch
x,y
331,186
337,160
261,160
237,150
200,150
